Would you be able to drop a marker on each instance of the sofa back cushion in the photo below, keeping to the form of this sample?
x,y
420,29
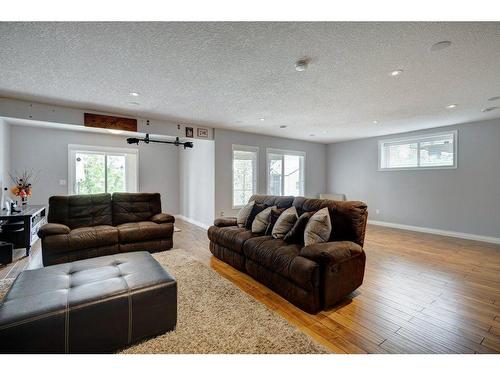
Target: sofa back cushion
x,y
134,207
272,200
348,217
78,211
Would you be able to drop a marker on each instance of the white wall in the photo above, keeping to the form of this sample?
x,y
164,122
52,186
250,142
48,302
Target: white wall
x,y
466,199
4,157
46,151
197,182
315,181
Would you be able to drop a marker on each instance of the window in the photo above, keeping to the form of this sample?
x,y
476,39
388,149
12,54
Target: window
x,y
93,170
285,172
245,161
438,150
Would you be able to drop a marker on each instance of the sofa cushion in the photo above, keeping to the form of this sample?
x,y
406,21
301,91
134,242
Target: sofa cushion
x,y
273,218
135,207
91,237
256,209
278,256
273,200
318,228
144,231
296,234
232,238
261,221
244,213
77,211
285,222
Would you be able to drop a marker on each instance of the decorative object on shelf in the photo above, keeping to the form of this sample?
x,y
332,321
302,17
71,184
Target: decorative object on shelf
x,y
147,140
4,202
202,133
189,132
23,185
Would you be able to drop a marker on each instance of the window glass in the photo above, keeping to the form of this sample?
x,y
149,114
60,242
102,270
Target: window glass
x,y
244,175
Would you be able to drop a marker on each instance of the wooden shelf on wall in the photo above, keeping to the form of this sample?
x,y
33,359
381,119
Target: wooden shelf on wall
x,y
93,120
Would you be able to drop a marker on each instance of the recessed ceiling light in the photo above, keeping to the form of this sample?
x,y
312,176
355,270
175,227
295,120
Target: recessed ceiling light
x,y
282,126
133,93
440,45
451,106
133,103
493,98
375,122
301,65
262,119
312,135
396,73
489,109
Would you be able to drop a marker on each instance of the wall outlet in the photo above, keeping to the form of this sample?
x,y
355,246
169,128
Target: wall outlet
x,y
377,211
222,213
62,182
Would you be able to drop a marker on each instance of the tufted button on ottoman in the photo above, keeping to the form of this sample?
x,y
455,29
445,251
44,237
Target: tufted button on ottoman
x,y
89,306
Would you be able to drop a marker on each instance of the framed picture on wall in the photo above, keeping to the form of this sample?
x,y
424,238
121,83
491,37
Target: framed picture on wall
x,y
202,133
189,132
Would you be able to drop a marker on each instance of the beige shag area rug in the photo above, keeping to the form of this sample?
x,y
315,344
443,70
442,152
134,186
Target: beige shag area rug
x,y
215,316
4,287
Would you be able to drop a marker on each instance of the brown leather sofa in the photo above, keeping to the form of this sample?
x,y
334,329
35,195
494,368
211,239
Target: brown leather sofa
x,y
88,226
313,277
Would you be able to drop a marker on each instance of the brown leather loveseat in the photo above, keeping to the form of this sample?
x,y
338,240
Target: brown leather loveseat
x,y
313,277
88,226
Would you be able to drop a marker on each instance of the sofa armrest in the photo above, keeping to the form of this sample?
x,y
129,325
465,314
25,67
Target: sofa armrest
x,y
51,229
342,265
225,222
162,218
331,253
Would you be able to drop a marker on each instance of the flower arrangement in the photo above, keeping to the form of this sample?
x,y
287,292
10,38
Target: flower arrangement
x,y
22,185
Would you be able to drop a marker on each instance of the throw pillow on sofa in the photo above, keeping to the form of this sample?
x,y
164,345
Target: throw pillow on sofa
x,y
318,228
244,213
273,217
256,209
296,234
285,222
261,221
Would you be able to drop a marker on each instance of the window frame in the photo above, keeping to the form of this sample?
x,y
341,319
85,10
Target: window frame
x,y
418,139
285,152
255,149
112,151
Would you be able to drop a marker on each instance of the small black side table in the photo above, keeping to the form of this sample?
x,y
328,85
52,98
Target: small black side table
x,y
31,217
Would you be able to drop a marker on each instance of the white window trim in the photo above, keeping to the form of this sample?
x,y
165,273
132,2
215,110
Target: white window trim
x,y
284,152
72,148
255,149
418,138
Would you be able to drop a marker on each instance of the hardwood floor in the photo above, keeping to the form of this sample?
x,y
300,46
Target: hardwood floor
x,y
422,293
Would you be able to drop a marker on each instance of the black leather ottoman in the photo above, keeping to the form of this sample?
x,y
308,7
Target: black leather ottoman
x,y
89,306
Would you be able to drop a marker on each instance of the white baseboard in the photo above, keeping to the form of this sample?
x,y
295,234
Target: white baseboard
x,y
449,233
192,221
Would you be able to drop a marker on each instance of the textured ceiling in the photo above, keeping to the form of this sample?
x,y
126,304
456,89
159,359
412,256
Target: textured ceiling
x,y
229,75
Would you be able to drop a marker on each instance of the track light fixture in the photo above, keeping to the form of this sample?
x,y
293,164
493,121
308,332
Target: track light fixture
x,y
147,140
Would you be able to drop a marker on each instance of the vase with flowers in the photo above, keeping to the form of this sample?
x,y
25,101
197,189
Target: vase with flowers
x,y
22,185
